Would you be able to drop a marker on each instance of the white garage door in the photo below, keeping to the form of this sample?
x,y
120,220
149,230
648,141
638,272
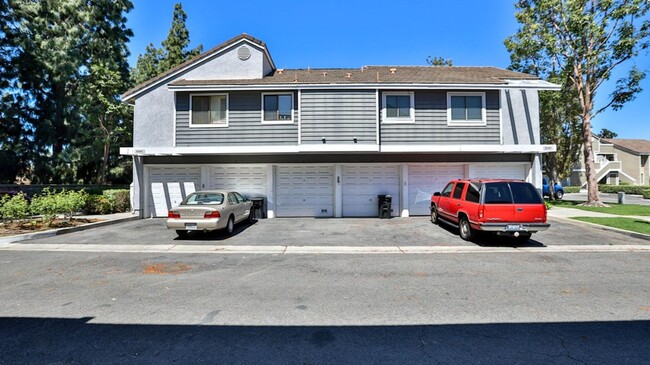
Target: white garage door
x,y
424,180
362,184
499,171
248,180
304,191
168,186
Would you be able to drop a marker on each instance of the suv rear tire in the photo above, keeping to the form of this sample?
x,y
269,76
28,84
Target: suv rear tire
x,y
465,230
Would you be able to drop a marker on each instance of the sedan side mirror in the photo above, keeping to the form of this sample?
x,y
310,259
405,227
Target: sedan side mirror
x,y
437,193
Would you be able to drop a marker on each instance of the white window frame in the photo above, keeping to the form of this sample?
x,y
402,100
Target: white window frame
x,y
192,125
393,120
293,110
466,123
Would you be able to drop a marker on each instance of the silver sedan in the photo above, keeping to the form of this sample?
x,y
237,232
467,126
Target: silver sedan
x,y
208,211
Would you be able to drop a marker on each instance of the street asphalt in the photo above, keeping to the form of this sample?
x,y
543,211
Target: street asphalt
x,y
540,303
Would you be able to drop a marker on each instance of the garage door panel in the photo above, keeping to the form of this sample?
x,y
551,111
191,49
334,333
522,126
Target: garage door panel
x,y
305,191
426,179
168,186
361,185
248,180
499,171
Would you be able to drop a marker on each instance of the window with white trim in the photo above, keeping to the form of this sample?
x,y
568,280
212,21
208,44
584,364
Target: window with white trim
x,y
209,110
398,107
466,109
277,108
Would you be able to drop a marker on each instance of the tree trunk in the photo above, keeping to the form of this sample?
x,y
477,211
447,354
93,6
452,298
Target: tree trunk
x,y
107,148
592,186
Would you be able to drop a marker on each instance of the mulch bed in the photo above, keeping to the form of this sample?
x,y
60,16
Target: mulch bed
x,y
31,226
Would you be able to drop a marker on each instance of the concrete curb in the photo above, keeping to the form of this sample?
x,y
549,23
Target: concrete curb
x,y
60,231
605,228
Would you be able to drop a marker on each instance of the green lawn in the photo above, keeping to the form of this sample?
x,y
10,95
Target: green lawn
x,y
628,224
618,209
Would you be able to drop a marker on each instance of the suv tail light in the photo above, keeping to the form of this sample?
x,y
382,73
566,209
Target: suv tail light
x,y
173,214
214,214
481,212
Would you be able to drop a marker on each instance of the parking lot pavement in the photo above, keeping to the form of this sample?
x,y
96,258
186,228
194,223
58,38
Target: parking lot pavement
x,y
357,232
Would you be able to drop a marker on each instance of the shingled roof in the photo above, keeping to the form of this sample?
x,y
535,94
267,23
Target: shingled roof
x,y
377,75
432,75
636,146
195,59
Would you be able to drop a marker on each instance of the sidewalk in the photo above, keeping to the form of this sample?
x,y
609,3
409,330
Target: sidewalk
x,y
104,221
568,213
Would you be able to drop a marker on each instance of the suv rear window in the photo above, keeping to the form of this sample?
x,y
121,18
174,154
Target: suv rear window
x,y
511,192
497,193
524,193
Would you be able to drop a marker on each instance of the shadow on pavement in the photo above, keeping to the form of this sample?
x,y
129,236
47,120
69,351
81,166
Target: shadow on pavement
x,y
219,235
485,239
72,341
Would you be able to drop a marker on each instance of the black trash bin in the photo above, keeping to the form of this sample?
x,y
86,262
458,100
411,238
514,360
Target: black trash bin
x,y
258,210
384,205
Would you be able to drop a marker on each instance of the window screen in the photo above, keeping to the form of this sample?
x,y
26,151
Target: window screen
x,y
466,107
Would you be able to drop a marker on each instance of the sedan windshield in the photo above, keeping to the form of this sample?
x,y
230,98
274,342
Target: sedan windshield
x,y
203,198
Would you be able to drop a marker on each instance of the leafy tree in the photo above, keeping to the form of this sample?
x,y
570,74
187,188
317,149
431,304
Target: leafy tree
x,y
439,61
148,65
106,117
561,126
174,51
589,39
606,133
53,44
177,41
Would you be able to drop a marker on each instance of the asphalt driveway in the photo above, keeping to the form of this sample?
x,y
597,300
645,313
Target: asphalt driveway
x,y
414,231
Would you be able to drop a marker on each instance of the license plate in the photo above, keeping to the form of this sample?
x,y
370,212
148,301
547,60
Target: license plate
x,y
513,227
190,226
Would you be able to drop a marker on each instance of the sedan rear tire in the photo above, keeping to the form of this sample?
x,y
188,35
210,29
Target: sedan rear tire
x,y
230,226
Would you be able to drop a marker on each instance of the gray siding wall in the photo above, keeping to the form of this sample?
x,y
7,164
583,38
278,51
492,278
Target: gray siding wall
x,y
339,116
431,127
245,126
520,117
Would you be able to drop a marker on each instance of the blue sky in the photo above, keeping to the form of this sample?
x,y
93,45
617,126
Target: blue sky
x,y
327,34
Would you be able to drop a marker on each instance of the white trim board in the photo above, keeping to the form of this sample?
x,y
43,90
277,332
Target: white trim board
x,y
179,151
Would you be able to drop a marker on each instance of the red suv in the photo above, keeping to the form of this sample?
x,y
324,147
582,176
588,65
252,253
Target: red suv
x,y
507,207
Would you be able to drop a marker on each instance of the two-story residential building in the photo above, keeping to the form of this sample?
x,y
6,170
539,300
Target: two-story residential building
x,y
616,161
326,142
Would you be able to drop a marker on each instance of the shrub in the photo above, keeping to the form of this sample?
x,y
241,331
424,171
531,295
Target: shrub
x,y
46,204
571,189
14,207
70,202
646,193
121,199
627,189
99,204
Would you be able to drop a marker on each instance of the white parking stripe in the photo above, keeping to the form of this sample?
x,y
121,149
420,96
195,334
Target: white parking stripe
x,y
302,250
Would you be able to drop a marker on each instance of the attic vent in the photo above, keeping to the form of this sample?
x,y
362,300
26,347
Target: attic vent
x,y
243,53
392,70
